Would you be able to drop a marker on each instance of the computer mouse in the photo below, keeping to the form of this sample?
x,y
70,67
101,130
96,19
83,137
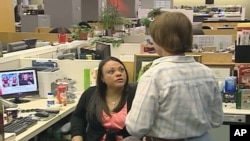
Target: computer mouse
x,y
42,114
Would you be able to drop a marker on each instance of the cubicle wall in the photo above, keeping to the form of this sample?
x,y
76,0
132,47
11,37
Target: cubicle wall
x,y
11,60
8,37
71,68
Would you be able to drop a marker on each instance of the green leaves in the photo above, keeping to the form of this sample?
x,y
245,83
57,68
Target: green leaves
x,y
145,21
116,42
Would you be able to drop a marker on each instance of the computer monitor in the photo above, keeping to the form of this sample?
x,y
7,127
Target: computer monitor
x,y
18,83
30,42
102,51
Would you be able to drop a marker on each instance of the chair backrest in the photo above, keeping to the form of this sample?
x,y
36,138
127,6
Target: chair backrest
x,y
206,27
198,31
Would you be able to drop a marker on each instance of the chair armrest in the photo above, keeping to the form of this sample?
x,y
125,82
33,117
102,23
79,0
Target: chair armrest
x,y
65,129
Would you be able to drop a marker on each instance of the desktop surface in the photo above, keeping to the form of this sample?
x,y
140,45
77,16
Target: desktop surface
x,y
40,126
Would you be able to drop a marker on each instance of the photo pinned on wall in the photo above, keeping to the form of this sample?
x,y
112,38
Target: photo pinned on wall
x,y
147,46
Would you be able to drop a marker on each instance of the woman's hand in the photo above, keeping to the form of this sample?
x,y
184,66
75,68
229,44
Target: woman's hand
x,y
77,138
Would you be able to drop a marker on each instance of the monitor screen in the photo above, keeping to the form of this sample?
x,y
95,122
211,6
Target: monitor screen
x,y
17,83
102,51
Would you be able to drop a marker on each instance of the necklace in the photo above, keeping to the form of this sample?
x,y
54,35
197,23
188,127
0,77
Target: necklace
x,y
113,102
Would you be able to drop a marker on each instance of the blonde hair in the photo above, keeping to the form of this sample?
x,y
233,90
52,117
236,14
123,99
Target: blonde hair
x,y
173,32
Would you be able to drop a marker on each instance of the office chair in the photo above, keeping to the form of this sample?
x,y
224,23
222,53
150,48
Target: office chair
x,y
206,27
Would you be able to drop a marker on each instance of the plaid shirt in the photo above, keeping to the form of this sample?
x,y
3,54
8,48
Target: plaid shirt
x,y
176,98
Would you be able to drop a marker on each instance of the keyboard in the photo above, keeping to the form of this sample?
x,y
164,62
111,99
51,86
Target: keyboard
x,y
19,125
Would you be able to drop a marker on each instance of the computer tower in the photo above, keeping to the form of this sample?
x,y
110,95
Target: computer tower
x,y
46,82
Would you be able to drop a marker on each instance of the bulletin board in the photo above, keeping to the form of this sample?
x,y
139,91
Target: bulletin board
x,y
143,59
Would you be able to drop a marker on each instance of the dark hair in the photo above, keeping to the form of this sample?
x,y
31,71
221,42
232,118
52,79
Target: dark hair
x,y
97,102
173,32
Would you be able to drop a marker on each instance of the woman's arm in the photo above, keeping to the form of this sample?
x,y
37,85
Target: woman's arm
x,y
78,119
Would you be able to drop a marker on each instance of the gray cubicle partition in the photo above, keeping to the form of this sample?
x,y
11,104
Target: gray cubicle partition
x,y
150,4
64,13
31,22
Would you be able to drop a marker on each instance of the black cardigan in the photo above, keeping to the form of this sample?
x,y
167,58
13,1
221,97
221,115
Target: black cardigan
x,y
94,131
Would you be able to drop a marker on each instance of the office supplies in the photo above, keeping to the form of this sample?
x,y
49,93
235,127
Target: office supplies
x,y
19,125
42,114
18,83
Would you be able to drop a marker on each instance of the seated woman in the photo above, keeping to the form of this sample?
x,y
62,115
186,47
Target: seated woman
x,y
101,111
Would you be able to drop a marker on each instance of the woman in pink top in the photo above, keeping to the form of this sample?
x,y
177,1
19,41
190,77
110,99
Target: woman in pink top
x,y
101,111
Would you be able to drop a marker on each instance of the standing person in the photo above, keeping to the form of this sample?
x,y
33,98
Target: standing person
x,y
101,111
178,98
18,11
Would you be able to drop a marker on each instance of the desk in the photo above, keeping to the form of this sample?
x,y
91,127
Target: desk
x,y
42,125
66,110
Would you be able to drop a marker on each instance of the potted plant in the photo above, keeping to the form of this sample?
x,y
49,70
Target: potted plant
x,y
153,13
146,22
80,32
150,17
110,17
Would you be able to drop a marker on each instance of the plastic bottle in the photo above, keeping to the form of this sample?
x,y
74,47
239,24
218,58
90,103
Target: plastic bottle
x,y
50,100
230,84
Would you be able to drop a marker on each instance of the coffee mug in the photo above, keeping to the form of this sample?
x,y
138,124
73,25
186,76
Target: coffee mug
x,y
11,113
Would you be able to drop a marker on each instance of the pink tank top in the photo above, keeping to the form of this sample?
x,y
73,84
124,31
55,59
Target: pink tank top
x,y
115,121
